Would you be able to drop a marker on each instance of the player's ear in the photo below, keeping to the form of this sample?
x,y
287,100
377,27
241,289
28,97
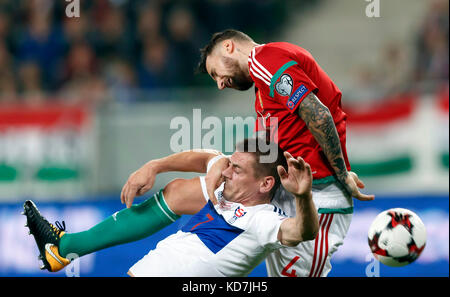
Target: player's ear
x,y
228,46
267,183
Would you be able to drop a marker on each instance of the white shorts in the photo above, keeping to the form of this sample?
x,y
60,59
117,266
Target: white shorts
x,y
312,258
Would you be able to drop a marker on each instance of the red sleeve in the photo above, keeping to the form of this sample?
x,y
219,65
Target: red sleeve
x,y
276,72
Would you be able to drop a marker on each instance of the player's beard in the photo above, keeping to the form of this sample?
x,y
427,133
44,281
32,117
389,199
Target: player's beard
x,y
239,80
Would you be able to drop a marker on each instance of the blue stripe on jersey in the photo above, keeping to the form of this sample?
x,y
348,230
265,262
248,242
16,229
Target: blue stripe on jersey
x,y
279,211
211,228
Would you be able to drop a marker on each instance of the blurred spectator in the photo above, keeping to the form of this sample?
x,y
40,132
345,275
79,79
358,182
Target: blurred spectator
x,y
155,69
80,63
30,79
115,46
432,60
218,15
76,30
181,26
82,82
42,43
5,59
6,30
148,22
394,71
8,89
121,79
111,35
148,27
89,90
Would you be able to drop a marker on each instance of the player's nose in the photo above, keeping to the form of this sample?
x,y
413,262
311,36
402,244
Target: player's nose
x,y
220,83
226,172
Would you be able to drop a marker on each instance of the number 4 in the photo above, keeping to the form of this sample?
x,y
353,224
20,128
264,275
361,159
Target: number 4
x,y
285,269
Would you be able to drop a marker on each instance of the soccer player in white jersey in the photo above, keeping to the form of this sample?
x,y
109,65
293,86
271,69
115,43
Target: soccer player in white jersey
x,y
238,227
230,236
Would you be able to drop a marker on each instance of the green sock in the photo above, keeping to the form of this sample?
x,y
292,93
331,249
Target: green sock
x,y
130,224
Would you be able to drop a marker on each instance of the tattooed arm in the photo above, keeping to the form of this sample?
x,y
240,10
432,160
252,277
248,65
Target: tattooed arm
x,y
320,123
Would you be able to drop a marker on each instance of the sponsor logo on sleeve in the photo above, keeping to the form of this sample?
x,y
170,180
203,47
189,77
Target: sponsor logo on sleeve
x,y
298,94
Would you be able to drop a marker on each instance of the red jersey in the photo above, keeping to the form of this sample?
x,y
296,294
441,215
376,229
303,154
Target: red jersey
x,y
284,74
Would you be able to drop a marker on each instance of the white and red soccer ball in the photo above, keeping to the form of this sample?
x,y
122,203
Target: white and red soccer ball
x,y
397,237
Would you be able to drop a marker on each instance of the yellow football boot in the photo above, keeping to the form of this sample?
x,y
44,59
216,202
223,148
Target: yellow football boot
x,y
47,237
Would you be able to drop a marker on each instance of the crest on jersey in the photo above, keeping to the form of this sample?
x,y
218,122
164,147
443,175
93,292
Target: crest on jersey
x,y
284,85
238,213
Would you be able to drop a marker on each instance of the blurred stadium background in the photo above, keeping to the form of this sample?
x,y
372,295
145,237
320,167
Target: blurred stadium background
x,y
86,101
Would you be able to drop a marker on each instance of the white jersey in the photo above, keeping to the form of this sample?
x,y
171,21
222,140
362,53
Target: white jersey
x,y
312,258
226,239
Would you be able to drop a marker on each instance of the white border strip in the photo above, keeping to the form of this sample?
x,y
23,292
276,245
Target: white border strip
x,y
163,209
204,190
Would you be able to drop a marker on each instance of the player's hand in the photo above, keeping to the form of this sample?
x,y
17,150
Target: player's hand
x,y
353,184
139,183
214,177
298,178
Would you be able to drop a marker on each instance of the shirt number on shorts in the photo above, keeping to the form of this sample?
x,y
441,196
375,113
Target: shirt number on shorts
x,y
287,267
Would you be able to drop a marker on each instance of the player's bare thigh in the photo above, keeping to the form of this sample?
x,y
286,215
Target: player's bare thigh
x,y
184,196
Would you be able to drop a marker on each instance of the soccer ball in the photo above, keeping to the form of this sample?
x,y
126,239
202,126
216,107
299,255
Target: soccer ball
x,y
397,237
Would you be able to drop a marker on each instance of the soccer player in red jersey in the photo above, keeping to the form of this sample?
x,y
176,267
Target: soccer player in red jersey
x,y
293,89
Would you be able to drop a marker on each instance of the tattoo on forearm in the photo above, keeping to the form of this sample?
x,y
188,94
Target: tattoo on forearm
x,y
320,122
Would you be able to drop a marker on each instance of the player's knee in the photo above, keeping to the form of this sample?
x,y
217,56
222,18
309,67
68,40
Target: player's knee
x,y
171,193
171,188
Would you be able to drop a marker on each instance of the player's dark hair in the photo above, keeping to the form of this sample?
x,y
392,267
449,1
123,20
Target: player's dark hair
x,y
216,39
261,147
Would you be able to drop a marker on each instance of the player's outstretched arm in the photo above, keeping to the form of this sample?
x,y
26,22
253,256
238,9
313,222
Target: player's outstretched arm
x,y
298,180
142,180
320,122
